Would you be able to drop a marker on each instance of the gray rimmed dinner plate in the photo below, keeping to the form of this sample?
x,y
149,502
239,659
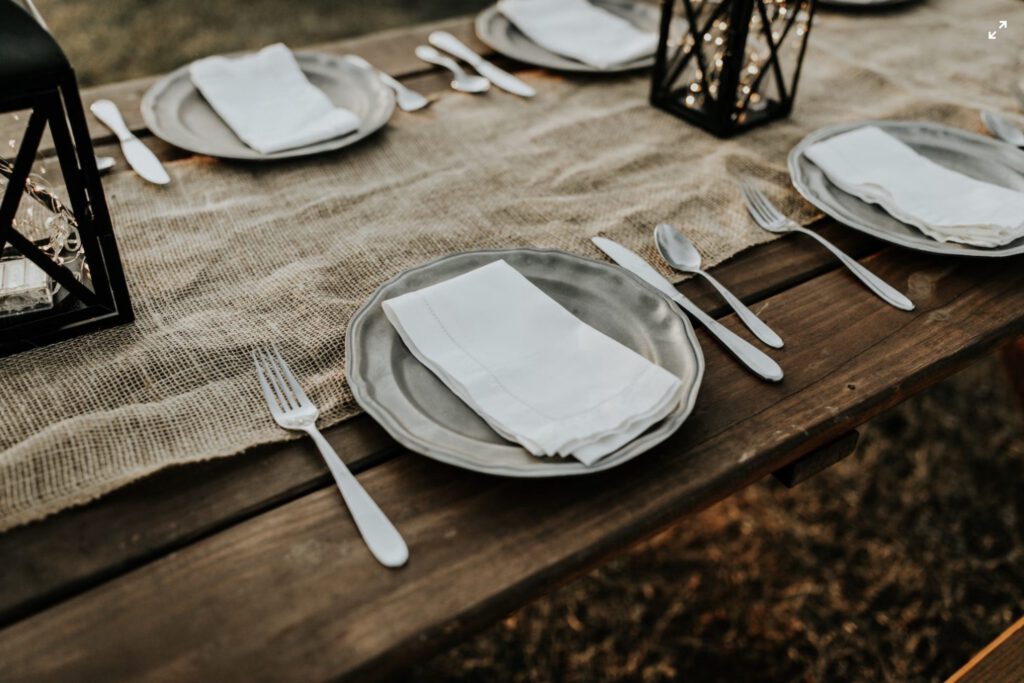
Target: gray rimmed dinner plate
x,y
499,34
864,4
973,155
175,112
422,414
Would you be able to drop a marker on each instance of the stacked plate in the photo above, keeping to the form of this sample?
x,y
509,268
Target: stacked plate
x,y
422,414
979,157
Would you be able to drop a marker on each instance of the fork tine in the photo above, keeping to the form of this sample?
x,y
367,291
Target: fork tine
x,y
268,393
293,382
768,213
773,213
289,400
283,398
747,191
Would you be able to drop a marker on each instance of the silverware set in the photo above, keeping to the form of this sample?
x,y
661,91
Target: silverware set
x,y
682,255
756,360
489,74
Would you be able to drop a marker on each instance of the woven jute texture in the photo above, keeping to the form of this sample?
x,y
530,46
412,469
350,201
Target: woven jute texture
x,y
230,256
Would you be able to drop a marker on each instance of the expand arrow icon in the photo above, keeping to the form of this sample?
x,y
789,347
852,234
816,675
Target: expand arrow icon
x,y
1002,24
991,35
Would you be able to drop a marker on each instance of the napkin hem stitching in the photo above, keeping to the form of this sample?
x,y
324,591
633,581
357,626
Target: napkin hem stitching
x,y
523,402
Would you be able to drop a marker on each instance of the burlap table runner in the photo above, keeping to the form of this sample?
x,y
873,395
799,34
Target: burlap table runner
x,y
230,256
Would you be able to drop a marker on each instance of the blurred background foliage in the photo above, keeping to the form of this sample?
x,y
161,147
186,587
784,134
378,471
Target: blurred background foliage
x,y
113,40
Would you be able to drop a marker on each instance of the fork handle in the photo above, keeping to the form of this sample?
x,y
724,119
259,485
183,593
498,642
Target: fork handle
x,y
380,535
885,291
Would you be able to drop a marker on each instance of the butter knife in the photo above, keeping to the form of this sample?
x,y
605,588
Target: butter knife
x,y
748,354
443,40
139,157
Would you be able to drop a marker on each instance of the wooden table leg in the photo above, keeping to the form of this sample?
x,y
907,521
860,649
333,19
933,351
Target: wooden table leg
x,y
818,460
1013,357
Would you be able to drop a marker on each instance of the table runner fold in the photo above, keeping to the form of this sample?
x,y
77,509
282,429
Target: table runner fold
x,y
230,256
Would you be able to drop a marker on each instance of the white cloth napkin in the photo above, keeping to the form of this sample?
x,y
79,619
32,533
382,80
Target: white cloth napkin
x,y
532,370
579,30
943,204
268,102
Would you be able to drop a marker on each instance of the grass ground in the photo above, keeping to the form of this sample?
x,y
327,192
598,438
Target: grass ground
x,y
897,564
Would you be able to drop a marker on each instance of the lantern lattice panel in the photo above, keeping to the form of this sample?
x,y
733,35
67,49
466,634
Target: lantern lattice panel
x,y
731,65
75,255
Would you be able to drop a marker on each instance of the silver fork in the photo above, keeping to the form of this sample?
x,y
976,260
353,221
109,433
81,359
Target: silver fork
x,y
293,410
772,220
1002,128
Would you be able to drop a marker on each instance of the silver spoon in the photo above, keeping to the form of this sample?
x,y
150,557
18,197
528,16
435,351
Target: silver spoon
x,y
407,99
680,253
1002,128
463,82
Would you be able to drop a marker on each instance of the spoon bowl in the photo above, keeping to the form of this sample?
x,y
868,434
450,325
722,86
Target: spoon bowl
x,y
677,250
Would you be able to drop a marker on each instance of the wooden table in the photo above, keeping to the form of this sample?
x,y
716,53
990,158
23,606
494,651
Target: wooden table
x,y
249,568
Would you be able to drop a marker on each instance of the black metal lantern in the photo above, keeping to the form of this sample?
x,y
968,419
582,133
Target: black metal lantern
x,y
60,276
730,65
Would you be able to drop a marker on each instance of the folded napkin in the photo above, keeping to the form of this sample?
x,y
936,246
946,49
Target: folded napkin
x,y
533,371
578,29
268,102
943,204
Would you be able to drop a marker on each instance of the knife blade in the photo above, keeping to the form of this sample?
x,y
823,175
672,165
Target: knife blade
x,y
752,357
496,75
138,156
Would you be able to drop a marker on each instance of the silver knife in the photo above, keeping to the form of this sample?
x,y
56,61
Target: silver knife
x,y
499,77
139,156
756,360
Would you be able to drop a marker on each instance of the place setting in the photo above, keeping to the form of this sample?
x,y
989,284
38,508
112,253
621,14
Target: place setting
x,y
272,104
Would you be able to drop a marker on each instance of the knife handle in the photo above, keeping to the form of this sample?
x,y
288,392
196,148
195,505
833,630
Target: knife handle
x,y
452,45
748,354
107,112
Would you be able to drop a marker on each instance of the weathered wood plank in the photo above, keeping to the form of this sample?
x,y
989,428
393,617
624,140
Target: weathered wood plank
x,y
1001,661
58,557
49,560
293,593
